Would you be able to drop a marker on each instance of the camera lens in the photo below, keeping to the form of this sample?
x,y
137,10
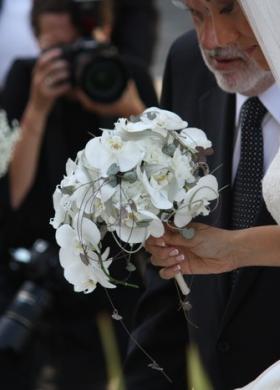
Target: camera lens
x,y
104,80
23,313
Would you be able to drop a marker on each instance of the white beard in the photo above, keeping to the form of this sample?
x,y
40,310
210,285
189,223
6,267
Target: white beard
x,y
249,80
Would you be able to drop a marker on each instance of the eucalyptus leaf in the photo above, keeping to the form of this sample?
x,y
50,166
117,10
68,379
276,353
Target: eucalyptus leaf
x,y
131,177
113,170
68,190
113,181
169,149
151,115
188,233
155,366
130,267
116,316
84,259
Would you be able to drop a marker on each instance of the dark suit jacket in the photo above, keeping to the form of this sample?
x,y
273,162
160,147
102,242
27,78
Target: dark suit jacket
x,y
237,334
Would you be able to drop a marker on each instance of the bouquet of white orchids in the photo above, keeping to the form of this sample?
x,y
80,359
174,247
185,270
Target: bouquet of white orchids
x,y
8,138
130,181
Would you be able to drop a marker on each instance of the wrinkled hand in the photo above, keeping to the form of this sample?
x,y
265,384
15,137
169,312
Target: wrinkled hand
x,y
49,80
128,104
208,252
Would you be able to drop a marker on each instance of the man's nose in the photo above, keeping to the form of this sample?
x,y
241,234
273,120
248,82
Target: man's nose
x,y
219,31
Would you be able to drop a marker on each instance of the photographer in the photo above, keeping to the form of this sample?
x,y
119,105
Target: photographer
x,y
57,116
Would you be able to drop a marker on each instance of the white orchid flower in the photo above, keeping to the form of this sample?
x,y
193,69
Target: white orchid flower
x,y
195,201
159,198
182,166
194,138
8,139
163,119
62,205
124,125
75,243
129,232
153,119
85,277
103,152
75,175
154,155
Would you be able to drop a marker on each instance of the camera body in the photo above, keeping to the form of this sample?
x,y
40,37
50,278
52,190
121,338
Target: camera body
x,y
34,296
97,69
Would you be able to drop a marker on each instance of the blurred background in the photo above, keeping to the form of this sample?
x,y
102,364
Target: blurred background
x,y
172,23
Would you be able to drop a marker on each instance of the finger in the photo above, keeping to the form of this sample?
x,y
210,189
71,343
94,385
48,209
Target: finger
x,y
46,58
184,267
154,241
57,79
171,272
61,89
57,66
168,256
49,56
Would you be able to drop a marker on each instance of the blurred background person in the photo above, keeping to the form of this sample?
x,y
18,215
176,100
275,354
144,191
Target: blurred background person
x,y
16,36
56,119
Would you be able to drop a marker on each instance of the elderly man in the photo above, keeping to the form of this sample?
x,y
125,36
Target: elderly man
x,y
213,81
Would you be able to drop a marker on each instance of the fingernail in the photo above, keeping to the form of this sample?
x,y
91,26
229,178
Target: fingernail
x,y
178,268
174,252
161,243
180,258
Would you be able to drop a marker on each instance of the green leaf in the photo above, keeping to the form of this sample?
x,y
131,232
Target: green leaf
x,y
131,177
151,115
84,259
113,181
130,267
68,190
113,170
169,149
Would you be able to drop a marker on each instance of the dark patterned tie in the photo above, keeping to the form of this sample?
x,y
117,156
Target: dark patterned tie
x,y
247,190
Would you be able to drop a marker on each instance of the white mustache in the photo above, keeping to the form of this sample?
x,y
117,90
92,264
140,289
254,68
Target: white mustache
x,y
225,53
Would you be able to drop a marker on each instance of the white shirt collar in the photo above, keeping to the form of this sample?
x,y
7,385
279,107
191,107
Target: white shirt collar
x,y
270,99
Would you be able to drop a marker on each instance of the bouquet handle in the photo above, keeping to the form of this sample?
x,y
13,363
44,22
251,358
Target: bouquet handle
x,y
182,284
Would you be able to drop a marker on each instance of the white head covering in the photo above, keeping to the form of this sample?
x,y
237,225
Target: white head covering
x,y
268,380
264,18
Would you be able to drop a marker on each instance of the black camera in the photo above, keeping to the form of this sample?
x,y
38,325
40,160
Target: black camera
x,y
34,296
97,69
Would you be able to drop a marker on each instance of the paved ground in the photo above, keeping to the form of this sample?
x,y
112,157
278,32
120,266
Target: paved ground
x,y
173,22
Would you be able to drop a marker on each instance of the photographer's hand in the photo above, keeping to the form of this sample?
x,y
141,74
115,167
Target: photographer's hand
x,y
48,83
129,103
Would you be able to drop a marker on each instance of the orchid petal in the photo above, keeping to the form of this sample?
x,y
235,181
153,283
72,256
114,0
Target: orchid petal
x,y
65,235
193,138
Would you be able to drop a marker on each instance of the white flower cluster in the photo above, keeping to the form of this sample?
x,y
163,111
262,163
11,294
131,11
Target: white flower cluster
x,y
8,138
129,182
